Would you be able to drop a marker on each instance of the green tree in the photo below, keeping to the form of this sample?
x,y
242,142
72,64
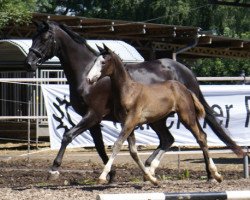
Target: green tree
x,y
15,11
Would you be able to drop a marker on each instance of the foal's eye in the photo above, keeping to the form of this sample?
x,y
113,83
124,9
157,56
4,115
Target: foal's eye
x,y
103,62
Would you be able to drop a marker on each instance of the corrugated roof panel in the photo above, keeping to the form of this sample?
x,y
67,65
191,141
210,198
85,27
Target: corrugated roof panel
x,y
124,50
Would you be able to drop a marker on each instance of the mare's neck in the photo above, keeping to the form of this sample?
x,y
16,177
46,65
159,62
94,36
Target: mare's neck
x,y
75,58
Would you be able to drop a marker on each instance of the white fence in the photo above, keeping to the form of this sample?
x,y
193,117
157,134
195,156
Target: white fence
x,y
16,86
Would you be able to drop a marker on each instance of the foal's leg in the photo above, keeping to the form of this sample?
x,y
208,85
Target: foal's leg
x,y
134,155
128,127
86,122
96,134
166,140
201,137
126,131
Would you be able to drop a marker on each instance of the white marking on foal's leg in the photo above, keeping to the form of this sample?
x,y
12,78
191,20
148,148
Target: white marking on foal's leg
x,y
155,163
54,172
214,171
106,170
54,175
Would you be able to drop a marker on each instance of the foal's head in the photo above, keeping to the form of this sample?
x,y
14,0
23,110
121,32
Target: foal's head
x,y
104,65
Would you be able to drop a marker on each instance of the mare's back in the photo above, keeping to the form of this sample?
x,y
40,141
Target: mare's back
x,y
160,70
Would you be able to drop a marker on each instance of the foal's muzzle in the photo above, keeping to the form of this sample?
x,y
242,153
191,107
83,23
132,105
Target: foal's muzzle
x,y
90,81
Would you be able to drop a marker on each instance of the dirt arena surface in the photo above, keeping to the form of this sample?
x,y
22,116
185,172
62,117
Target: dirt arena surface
x,y
25,176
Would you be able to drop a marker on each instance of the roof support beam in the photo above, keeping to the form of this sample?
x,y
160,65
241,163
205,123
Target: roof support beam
x,y
231,3
202,51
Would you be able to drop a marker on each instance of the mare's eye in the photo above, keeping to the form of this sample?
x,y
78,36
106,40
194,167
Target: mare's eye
x,y
45,37
103,62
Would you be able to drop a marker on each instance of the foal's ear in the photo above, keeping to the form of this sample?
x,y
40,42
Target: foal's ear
x,y
106,48
102,51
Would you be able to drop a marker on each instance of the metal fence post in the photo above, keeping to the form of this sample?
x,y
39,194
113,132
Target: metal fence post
x,y
245,164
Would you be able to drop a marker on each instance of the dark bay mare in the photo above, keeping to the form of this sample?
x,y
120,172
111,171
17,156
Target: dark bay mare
x,y
94,103
136,104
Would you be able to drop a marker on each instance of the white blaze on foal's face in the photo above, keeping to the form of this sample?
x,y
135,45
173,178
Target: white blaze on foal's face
x,y
95,71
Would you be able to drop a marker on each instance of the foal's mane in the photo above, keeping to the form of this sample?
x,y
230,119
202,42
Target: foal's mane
x,y
116,58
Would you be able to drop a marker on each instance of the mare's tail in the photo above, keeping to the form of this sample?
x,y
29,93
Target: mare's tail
x,y
200,111
221,132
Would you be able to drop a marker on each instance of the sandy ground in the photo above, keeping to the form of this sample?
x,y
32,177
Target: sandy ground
x,y
25,176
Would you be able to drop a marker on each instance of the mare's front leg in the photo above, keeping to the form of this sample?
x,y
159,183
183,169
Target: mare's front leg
x,y
96,134
126,131
89,120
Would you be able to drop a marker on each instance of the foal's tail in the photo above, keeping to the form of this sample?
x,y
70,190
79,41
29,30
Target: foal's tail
x,y
200,111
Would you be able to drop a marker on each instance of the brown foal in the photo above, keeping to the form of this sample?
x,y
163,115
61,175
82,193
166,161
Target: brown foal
x,y
136,104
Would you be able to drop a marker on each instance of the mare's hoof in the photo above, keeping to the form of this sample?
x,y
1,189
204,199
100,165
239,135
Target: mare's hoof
x,y
53,175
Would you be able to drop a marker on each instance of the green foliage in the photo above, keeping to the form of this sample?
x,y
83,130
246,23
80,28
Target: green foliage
x,y
15,11
184,175
220,67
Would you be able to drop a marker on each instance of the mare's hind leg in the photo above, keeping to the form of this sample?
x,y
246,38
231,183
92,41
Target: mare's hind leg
x,y
134,154
86,122
193,125
166,140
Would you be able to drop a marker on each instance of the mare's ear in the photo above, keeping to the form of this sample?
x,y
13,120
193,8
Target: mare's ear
x,y
45,25
102,51
35,22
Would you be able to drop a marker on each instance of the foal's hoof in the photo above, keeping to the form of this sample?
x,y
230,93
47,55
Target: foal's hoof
x,y
53,175
215,180
111,175
152,179
102,181
219,178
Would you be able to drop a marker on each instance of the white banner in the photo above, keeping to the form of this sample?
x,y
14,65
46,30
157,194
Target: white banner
x,y
231,102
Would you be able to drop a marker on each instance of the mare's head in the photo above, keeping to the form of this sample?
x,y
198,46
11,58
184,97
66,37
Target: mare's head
x,y
104,65
43,46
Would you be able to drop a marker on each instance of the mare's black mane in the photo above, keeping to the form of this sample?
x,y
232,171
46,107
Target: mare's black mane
x,y
76,37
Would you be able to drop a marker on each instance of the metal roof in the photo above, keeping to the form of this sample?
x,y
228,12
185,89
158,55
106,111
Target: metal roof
x,y
13,52
147,38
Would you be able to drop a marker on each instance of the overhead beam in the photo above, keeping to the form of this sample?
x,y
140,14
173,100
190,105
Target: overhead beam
x,y
130,29
202,51
233,44
230,3
205,40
